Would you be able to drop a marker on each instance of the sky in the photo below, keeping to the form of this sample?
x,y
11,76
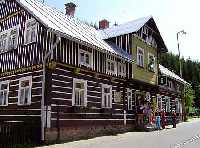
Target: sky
x,y
171,16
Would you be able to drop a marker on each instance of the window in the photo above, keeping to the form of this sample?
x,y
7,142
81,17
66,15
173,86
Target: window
x,y
24,96
159,102
30,31
130,99
167,99
79,92
85,58
170,84
177,105
3,41
111,66
151,62
2,1
4,90
121,69
140,57
8,39
106,96
12,40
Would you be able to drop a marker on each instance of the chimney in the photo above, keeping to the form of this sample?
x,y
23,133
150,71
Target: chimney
x,y
70,9
103,24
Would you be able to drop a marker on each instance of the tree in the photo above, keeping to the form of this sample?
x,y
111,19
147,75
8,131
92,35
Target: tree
x,y
189,97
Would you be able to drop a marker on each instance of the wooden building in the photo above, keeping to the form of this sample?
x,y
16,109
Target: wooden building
x,y
89,82
85,79
171,92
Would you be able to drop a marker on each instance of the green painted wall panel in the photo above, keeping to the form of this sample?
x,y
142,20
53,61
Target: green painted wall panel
x,y
143,74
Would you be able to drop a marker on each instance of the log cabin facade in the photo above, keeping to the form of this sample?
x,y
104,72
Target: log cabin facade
x,y
91,82
85,77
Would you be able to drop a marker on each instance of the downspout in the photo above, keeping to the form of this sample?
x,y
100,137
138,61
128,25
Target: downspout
x,y
43,120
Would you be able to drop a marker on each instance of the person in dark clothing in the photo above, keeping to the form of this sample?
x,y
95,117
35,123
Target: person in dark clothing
x,y
174,119
163,119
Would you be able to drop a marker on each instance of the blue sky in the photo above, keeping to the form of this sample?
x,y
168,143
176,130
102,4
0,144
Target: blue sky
x,y
170,16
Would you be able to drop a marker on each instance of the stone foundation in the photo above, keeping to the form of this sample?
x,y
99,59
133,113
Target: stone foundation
x,y
77,133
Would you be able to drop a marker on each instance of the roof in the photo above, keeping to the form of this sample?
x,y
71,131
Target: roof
x,y
129,27
64,25
167,72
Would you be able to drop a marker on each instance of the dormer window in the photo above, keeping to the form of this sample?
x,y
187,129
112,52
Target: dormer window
x,y
8,39
121,69
30,31
4,41
111,67
12,41
85,58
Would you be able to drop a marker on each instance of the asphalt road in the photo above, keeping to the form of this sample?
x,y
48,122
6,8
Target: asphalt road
x,y
186,135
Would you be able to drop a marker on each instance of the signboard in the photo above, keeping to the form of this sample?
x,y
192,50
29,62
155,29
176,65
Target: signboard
x,y
117,97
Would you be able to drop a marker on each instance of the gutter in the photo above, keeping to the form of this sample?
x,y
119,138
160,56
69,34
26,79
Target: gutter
x,y
43,108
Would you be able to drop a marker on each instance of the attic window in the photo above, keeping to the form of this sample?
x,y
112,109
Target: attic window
x,y
2,1
30,31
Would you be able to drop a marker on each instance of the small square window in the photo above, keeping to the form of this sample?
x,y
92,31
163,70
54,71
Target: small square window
x,y
85,58
4,91
111,66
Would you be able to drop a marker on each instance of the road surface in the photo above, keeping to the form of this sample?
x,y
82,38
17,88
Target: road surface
x,y
186,135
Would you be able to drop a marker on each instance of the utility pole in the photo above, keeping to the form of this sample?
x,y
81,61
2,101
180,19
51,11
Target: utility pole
x,y
179,54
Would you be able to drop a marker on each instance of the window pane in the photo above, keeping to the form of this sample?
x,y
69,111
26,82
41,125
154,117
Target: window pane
x,y
27,35
87,60
1,98
22,96
82,97
26,96
77,97
109,101
105,100
112,67
79,85
25,83
33,35
82,57
4,86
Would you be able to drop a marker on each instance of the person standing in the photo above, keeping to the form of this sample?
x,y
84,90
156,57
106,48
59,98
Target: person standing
x,y
174,119
163,119
158,120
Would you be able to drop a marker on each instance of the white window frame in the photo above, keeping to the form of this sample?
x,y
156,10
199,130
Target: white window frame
x,y
2,1
177,103
159,102
168,104
154,65
5,97
130,99
7,33
90,58
16,39
4,41
74,91
123,69
31,22
108,69
140,62
29,78
103,105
